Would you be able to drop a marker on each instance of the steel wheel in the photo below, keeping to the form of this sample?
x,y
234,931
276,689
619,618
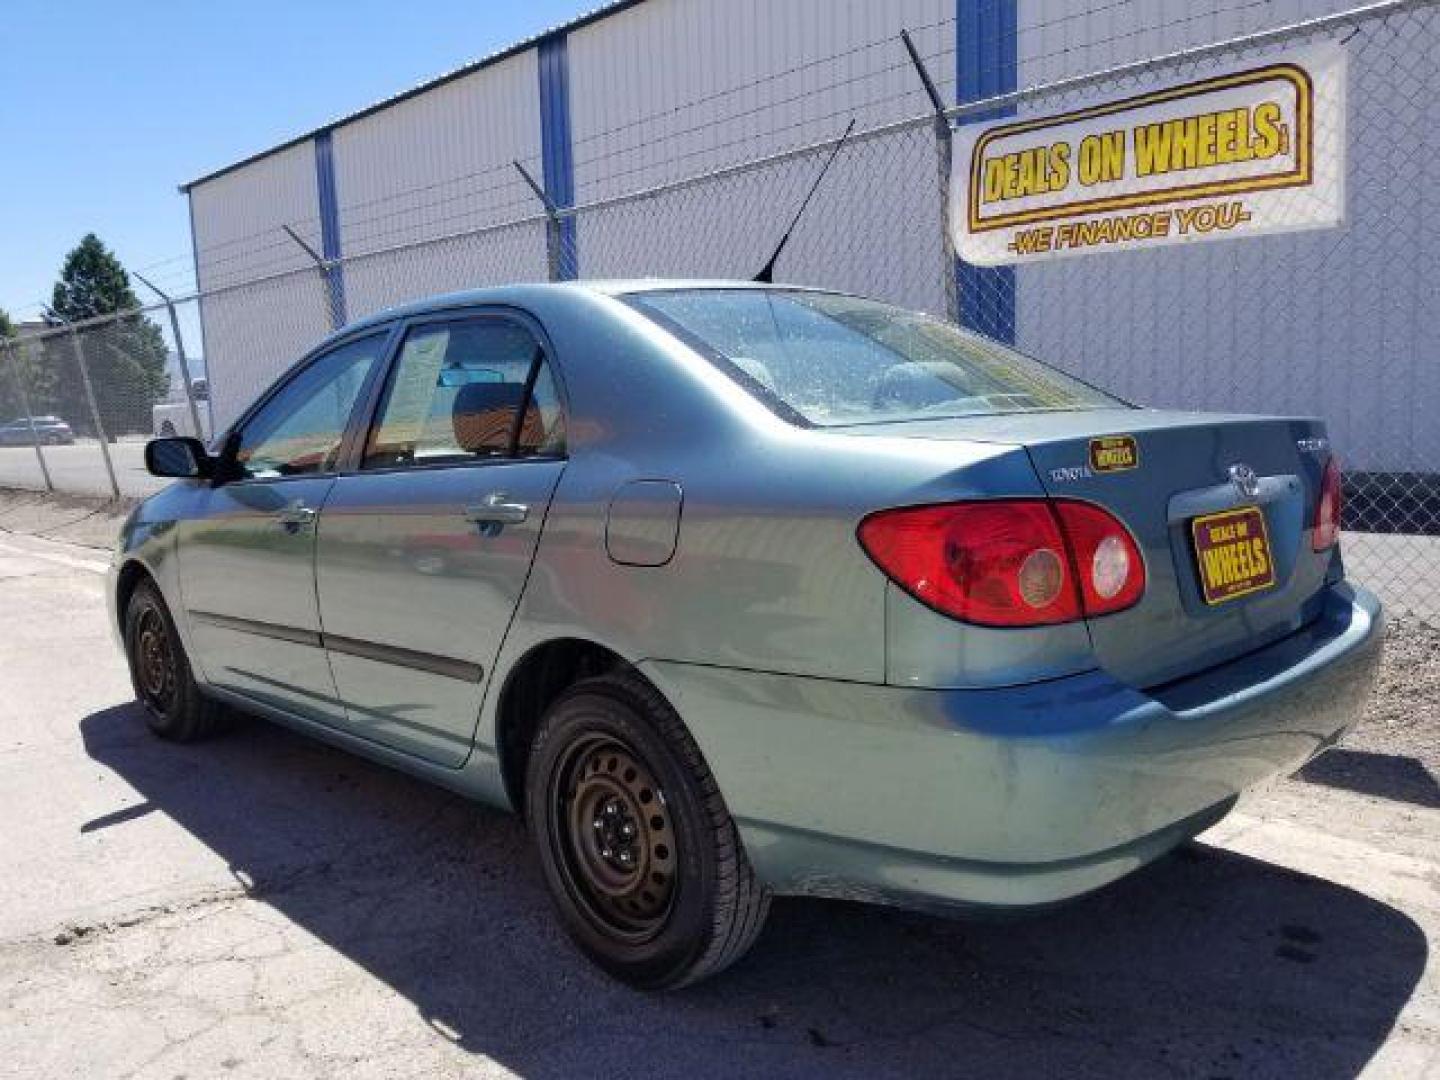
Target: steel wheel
x,y
614,831
639,853
154,661
160,671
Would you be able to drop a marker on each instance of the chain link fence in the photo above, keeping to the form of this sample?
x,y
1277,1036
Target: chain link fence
x,y
1336,322
77,404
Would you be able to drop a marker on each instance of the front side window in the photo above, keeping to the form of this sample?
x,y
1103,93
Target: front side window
x,y
299,431
466,391
837,360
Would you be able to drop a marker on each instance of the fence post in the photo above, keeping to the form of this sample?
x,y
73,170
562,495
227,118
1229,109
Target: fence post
x,y
94,410
327,278
180,357
555,253
944,163
14,366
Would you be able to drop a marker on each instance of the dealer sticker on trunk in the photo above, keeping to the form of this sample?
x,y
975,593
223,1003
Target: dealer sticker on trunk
x,y
1232,551
1114,453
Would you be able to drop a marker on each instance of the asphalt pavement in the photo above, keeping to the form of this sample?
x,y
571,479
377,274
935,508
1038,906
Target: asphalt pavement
x,y
79,469
262,905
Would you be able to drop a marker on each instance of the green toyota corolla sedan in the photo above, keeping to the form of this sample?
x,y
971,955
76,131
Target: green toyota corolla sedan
x,y
741,590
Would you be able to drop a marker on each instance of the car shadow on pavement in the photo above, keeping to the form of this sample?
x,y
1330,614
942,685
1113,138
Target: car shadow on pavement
x,y
1208,963
1388,776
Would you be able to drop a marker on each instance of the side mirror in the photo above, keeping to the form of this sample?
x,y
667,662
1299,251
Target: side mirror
x,y
180,456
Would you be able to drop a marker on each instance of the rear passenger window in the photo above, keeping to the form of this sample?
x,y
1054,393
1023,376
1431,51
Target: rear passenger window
x,y
467,391
543,431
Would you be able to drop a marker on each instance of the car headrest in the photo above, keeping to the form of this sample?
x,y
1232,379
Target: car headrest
x,y
483,414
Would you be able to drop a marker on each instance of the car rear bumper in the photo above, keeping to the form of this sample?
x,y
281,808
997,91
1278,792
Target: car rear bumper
x,y
1018,796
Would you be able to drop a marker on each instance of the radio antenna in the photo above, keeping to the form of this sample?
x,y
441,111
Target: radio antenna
x,y
767,275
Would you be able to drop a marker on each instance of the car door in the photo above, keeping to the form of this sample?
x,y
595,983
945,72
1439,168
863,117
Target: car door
x,y
247,558
423,550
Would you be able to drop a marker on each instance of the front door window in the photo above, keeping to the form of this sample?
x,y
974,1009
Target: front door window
x,y
299,431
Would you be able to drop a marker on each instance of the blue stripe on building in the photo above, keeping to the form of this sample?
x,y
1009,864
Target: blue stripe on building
x,y
330,222
557,160
986,64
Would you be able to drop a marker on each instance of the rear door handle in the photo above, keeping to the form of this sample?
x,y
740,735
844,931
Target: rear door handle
x,y
497,509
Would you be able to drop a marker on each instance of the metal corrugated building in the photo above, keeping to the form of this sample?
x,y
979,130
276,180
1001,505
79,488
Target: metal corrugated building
x,y
634,94
646,92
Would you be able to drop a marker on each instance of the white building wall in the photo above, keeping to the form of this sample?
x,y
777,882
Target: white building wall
x,y
435,165
253,333
1331,323
239,217
1058,39
676,88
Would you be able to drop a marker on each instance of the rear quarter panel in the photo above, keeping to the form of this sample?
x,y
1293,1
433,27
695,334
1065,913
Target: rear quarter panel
x,y
768,574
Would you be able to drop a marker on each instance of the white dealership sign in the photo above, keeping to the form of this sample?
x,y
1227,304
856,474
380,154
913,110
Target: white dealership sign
x,y
1254,148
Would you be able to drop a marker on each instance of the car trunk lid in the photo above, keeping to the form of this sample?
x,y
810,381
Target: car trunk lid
x,y
1196,491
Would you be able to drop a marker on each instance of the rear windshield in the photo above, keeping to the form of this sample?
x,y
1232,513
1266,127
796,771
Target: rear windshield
x,y
831,360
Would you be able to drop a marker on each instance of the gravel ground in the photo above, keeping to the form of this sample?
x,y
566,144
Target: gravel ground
x,y
1394,753
1404,717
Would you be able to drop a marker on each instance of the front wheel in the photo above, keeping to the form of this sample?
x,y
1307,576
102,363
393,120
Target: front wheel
x,y
160,671
641,857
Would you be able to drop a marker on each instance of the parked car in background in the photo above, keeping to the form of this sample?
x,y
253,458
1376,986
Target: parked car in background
x,y
736,590
23,431
173,417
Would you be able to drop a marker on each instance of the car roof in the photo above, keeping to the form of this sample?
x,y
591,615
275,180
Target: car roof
x,y
507,294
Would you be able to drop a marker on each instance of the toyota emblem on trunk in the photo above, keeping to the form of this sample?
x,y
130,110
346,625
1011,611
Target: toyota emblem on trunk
x,y
1245,480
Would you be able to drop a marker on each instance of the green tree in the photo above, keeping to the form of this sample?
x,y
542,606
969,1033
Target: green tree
x,y
125,356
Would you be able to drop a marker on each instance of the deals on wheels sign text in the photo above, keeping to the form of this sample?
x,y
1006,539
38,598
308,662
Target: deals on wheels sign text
x,y
1256,148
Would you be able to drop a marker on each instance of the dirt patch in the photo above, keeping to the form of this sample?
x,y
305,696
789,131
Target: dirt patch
x,y
75,519
1404,715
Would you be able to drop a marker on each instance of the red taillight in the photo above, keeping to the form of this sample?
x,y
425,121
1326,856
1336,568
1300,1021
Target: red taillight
x,y
1327,514
1107,559
1021,562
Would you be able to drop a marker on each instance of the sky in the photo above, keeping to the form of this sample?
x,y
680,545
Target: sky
x,y
106,107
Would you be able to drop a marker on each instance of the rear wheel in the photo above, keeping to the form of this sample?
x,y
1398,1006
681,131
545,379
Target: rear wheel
x,y
160,671
642,859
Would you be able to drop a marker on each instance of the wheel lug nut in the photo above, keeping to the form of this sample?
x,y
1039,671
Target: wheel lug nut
x,y
605,853
627,829
598,823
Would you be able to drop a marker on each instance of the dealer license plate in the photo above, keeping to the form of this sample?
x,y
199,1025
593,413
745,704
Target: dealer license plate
x,y
1232,550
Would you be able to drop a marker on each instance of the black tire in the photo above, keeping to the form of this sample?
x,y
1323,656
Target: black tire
x,y
686,904
160,671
